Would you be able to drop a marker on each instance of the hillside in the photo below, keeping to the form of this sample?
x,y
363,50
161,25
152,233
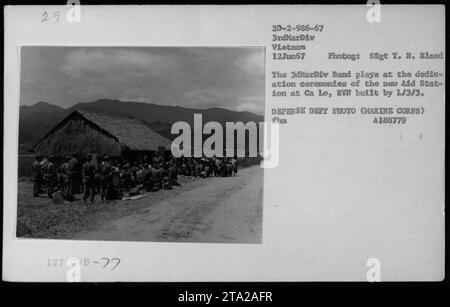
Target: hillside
x,y
36,120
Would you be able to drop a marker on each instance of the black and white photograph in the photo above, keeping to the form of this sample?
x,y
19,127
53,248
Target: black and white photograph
x,y
95,144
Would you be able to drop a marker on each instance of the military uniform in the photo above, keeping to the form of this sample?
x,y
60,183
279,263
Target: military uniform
x,y
115,187
234,164
62,178
106,178
145,176
51,177
157,177
71,172
37,178
126,177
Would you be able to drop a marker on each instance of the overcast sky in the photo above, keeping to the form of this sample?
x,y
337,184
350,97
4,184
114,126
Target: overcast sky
x,y
232,78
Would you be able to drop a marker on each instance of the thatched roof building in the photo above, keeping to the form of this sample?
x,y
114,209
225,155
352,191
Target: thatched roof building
x,y
84,132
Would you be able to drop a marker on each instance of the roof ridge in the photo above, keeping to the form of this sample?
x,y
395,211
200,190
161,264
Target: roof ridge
x,y
105,122
107,115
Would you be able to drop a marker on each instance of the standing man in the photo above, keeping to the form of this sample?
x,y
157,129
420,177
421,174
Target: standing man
x,y
43,167
115,183
106,176
218,167
88,172
62,177
71,171
51,176
234,165
37,177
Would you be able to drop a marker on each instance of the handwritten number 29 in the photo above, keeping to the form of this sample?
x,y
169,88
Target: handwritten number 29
x,y
46,15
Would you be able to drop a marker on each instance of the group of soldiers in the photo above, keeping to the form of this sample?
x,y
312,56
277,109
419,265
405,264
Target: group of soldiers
x,y
207,167
112,177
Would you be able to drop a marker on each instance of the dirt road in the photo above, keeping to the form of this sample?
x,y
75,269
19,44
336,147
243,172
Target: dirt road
x,y
221,209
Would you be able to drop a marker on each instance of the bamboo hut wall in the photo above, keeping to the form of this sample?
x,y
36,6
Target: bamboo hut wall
x,y
78,136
